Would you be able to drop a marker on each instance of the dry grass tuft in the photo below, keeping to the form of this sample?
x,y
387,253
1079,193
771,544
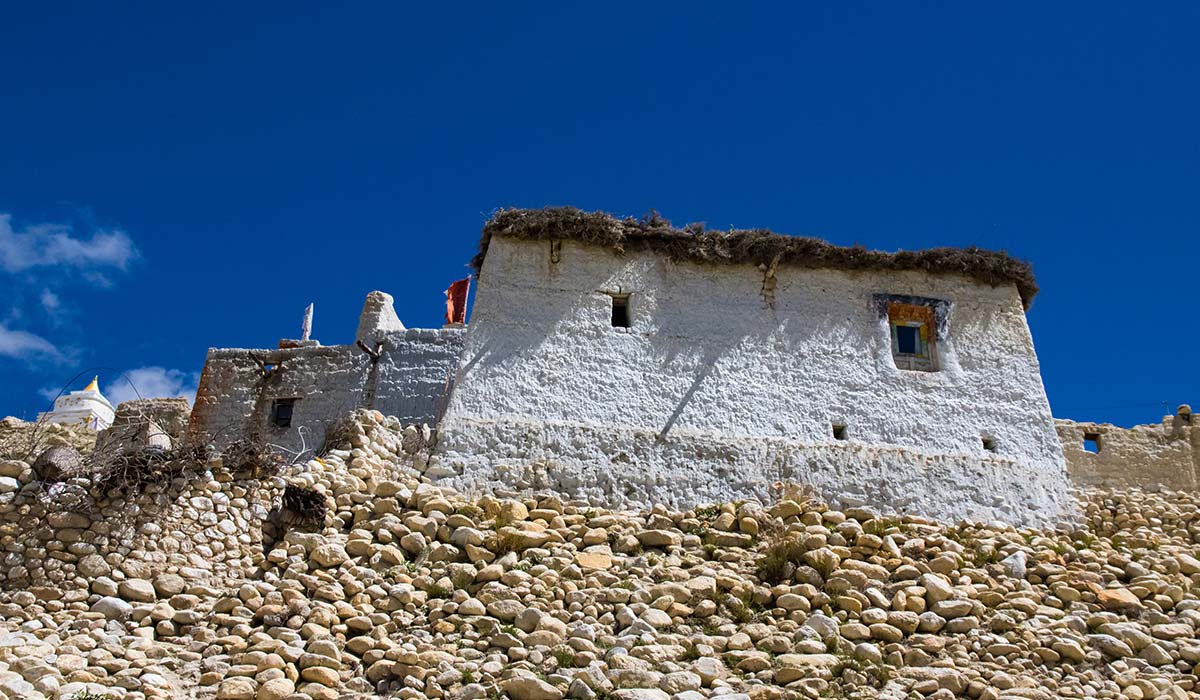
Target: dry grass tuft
x,y
779,560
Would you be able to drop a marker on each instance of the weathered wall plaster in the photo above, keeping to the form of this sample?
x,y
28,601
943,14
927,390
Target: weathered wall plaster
x,y
1165,455
718,389
403,373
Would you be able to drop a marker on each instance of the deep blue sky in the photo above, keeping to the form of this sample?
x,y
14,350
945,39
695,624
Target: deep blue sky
x,y
262,156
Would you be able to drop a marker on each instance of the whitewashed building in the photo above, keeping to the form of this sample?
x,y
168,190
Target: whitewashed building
x,y
629,362
87,408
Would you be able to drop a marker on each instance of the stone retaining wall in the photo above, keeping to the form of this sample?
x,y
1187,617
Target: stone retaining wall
x,y
201,525
207,525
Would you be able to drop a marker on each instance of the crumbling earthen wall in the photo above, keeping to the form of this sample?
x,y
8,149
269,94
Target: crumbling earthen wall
x,y
26,440
170,414
732,377
1164,455
404,373
141,423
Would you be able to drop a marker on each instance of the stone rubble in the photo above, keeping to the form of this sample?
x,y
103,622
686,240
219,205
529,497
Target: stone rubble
x,y
413,591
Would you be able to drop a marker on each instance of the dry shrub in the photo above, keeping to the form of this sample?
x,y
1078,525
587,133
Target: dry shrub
x,y
339,434
505,541
779,560
134,470
252,458
694,243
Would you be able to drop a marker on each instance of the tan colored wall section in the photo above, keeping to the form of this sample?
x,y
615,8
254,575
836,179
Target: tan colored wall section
x,y
1165,454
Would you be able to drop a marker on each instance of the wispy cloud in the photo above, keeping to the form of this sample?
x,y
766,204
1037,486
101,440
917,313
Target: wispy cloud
x,y
39,265
152,383
56,245
24,345
52,305
50,301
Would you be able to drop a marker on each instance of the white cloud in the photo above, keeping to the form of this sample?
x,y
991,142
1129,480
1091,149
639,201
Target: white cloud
x,y
51,245
50,301
24,345
152,383
53,306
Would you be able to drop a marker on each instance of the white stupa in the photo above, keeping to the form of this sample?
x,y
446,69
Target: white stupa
x,y
86,408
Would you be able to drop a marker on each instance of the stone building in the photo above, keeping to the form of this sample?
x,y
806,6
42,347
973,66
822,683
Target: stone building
x,y
288,397
1165,454
631,362
87,408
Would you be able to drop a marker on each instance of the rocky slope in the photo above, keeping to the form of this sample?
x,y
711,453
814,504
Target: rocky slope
x,y
406,590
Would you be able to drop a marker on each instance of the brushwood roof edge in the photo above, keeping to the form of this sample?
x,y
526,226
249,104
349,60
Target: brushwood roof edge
x,y
694,243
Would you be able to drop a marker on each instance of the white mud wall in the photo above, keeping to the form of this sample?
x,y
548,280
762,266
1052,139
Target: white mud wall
x,y
720,389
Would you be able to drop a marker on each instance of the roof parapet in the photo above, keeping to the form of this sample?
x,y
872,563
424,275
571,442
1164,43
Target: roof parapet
x,y
378,317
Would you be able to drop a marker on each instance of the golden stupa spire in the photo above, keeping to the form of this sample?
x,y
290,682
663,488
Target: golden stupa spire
x,y
95,385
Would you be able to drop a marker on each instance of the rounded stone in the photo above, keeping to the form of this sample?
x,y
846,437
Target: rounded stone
x,y
237,689
276,689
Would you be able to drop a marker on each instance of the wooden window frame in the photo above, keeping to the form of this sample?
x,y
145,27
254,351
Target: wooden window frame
x,y
923,318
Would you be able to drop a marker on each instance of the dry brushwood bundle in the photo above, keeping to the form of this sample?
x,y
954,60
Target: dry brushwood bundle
x,y
339,434
133,471
303,506
253,459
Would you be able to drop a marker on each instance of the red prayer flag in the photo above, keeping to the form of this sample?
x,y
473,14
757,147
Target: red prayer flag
x,y
456,301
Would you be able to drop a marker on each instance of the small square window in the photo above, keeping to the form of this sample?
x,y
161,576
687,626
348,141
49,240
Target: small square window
x,y
839,432
1091,442
620,310
281,412
989,444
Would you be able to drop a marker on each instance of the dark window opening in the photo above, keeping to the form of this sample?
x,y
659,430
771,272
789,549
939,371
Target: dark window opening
x,y
620,311
281,412
1091,442
907,339
989,444
839,431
